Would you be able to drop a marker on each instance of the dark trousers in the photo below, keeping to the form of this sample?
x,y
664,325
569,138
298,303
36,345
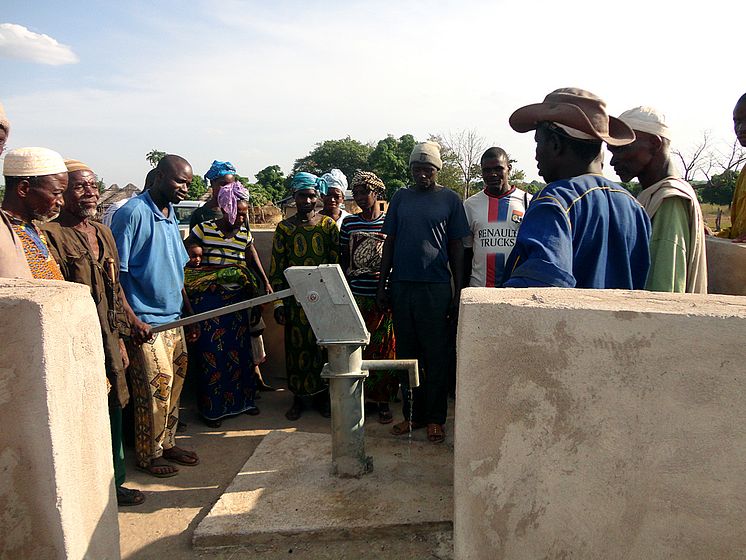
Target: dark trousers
x,y
117,446
421,330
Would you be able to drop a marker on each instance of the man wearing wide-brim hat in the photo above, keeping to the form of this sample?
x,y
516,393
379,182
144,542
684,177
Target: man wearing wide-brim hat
x,y
582,230
678,261
35,180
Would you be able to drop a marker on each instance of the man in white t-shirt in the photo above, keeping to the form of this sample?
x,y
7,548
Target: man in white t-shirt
x,y
494,216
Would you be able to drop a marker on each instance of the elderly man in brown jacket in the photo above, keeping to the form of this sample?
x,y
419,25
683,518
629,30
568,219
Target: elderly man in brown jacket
x,y
87,254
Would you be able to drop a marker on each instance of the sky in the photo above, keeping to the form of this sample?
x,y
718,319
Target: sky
x,y
260,83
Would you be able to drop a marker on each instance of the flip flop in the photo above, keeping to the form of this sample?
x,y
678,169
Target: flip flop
x,y
162,464
181,456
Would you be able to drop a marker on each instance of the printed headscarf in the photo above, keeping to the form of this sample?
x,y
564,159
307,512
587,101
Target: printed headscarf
x,y
335,179
228,198
302,181
218,169
370,180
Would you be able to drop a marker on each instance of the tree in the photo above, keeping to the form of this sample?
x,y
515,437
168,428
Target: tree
x,y
154,156
467,147
101,185
633,187
272,181
450,174
719,189
390,161
197,188
347,155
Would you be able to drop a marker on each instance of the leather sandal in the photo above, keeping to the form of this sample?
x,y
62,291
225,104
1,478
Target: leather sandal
x,y
403,428
435,433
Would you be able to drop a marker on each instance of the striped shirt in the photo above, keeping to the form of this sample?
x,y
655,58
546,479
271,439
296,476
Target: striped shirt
x,y
494,222
219,249
362,242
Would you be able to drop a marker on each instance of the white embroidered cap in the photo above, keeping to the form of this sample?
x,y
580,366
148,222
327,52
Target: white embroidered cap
x,y
33,162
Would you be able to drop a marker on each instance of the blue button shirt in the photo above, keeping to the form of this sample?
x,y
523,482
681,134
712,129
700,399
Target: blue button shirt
x,y
584,232
151,259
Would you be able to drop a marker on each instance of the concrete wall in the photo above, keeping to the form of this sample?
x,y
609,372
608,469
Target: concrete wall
x,y
726,267
56,476
600,424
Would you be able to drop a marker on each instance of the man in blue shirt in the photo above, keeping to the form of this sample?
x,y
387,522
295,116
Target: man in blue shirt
x,y
581,230
152,259
425,226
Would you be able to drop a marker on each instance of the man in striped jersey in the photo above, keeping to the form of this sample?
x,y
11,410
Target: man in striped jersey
x,y
494,216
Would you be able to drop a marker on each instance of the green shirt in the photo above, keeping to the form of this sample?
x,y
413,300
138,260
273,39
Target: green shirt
x,y
669,243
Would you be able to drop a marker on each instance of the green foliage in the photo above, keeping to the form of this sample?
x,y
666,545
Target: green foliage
x,y
272,183
390,161
154,156
633,186
197,188
346,154
101,186
533,187
517,176
719,190
450,175
259,195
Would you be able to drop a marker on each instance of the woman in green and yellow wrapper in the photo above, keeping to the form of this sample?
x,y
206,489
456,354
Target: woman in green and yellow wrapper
x,y
224,269
306,239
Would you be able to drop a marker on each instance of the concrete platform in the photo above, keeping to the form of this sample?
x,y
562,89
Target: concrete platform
x,y
285,495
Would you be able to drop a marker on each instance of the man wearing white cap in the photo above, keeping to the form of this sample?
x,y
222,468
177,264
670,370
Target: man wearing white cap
x,y
582,230
425,226
677,245
12,257
35,180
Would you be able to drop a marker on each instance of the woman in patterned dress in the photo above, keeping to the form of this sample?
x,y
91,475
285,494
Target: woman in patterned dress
x,y
305,239
361,248
229,272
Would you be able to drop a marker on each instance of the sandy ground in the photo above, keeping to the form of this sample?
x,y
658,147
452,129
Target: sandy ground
x,y
162,527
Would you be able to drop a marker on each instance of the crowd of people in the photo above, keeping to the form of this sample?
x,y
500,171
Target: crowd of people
x,y
405,265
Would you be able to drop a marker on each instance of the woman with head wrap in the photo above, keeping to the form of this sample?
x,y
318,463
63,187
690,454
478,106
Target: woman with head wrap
x,y
229,272
336,185
361,249
221,173
305,239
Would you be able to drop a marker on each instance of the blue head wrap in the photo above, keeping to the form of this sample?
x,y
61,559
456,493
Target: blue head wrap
x,y
218,169
303,180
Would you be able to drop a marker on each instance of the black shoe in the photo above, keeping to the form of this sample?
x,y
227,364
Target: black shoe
x,y
129,496
212,423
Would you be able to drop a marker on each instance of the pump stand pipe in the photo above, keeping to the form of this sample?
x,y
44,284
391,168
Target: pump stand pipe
x,y
409,365
346,372
346,380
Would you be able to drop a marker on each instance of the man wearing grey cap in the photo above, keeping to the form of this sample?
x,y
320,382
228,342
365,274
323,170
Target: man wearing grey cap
x,y
425,226
582,230
677,245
